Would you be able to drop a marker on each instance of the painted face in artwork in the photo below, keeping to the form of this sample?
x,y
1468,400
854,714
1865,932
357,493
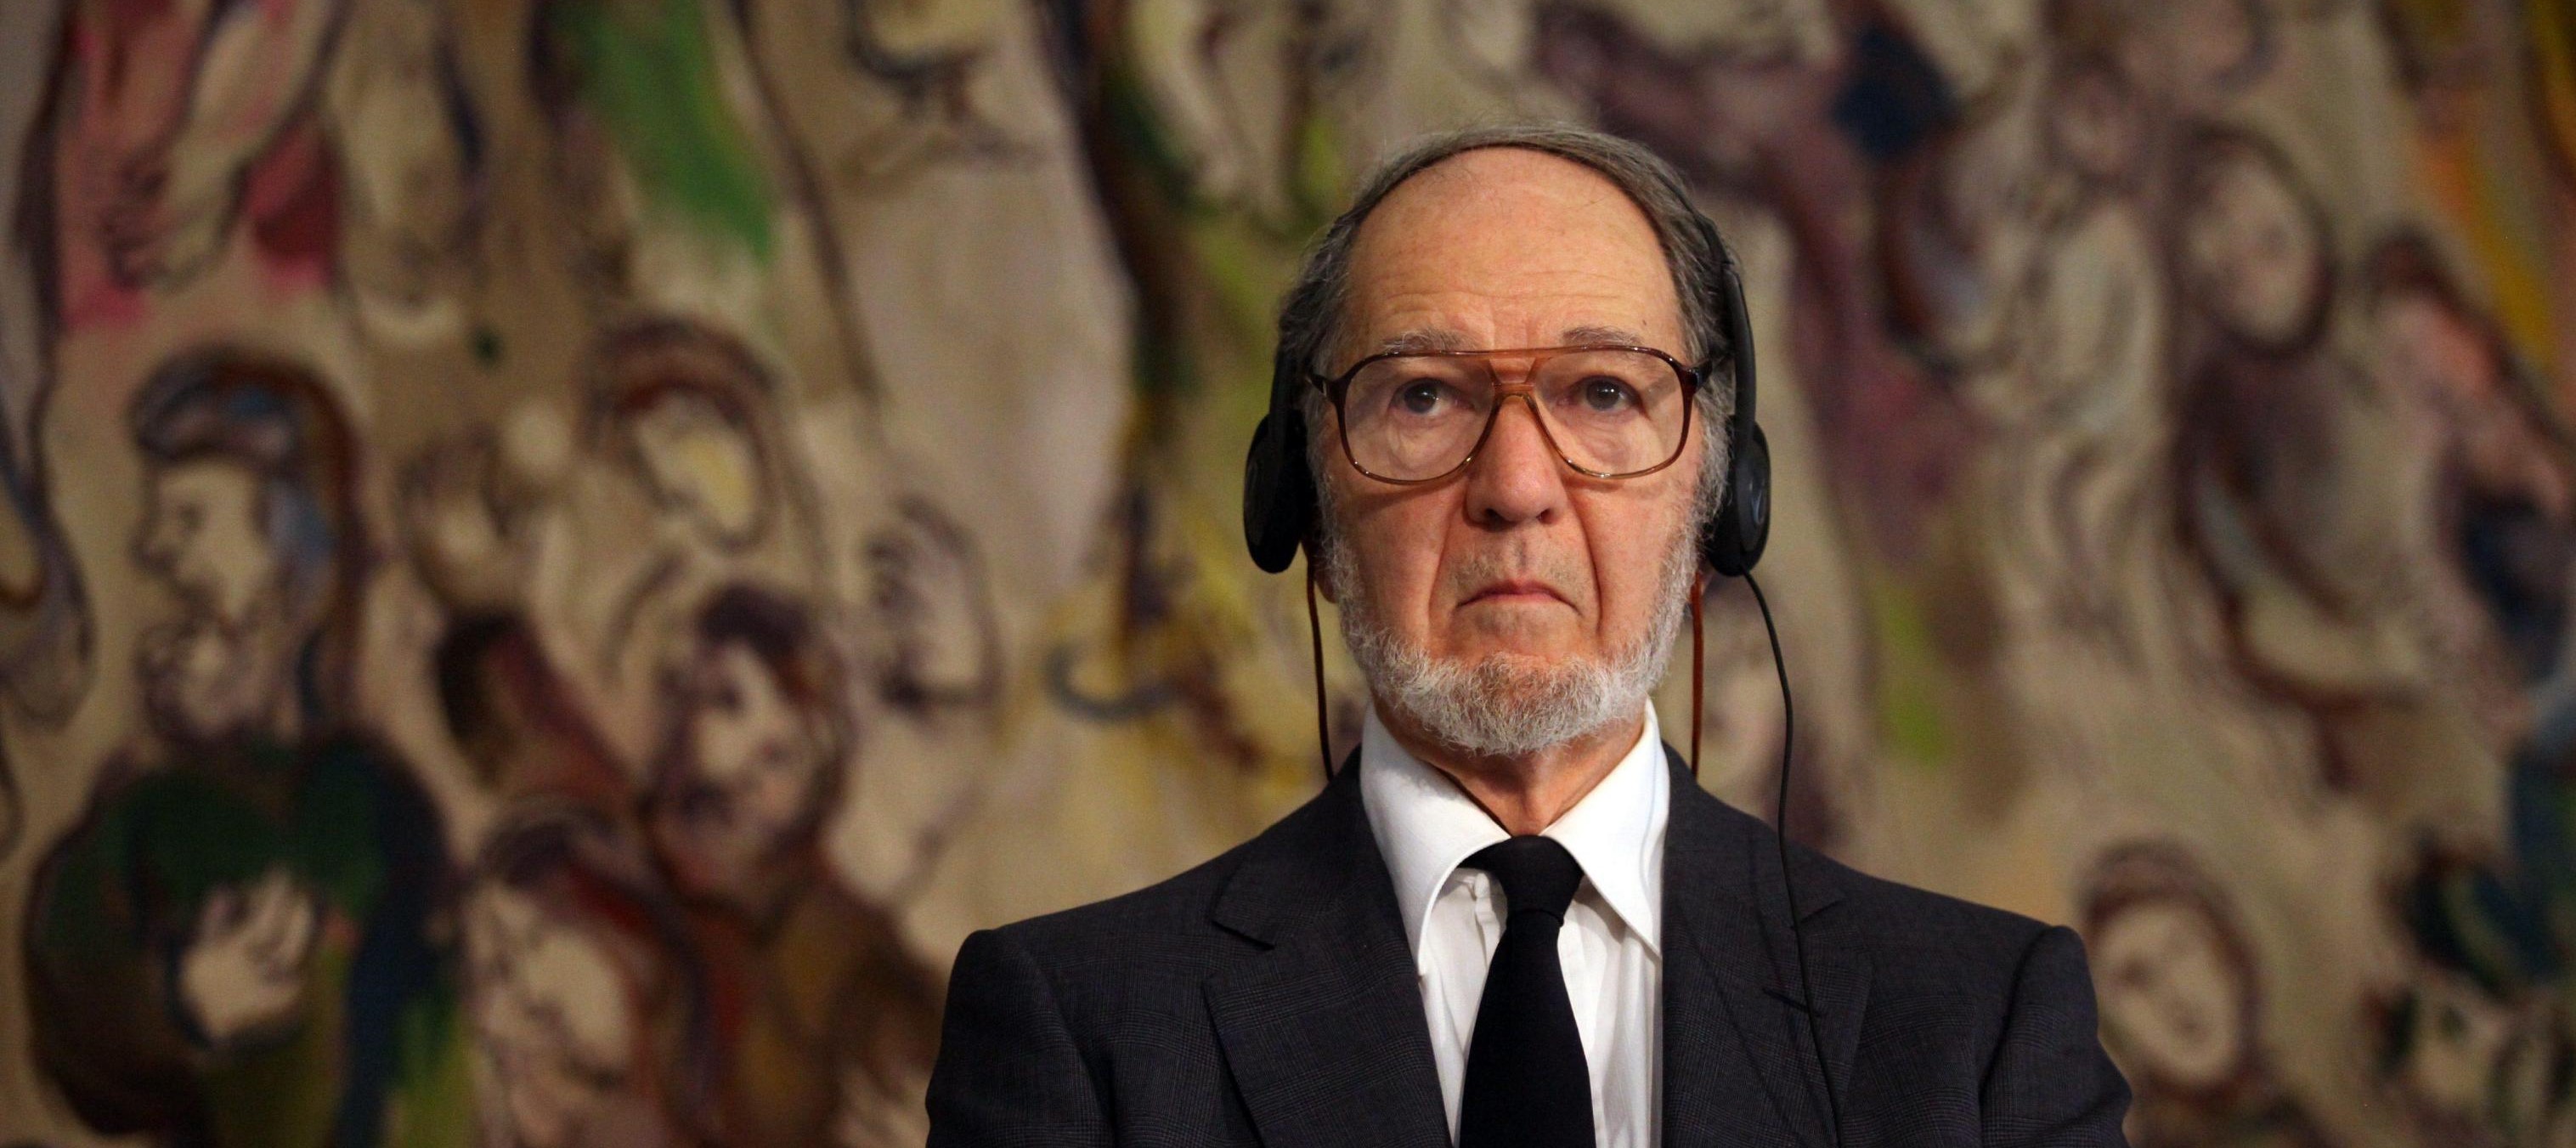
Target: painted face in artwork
x,y
2193,52
2093,125
2214,43
2424,345
2427,350
221,666
203,533
748,770
407,166
2252,252
552,1022
702,465
2456,1044
2171,991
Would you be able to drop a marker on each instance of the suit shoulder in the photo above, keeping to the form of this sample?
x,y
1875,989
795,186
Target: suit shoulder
x,y
1899,925
1178,902
1916,935
1183,905
1170,920
1915,910
1114,965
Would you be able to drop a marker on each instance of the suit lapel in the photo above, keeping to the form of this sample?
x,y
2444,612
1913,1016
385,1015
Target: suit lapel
x,y
1323,1030
1738,1064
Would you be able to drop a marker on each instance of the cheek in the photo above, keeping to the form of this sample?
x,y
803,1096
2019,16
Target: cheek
x,y
785,785
1396,549
720,746
1631,547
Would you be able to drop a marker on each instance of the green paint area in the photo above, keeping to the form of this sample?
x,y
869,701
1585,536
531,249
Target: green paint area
x,y
646,69
1909,676
428,1111
123,894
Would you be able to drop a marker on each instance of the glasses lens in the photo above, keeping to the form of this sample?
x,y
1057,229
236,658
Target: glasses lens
x,y
1612,412
1416,416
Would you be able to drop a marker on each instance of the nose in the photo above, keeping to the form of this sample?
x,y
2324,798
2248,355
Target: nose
x,y
1517,476
154,546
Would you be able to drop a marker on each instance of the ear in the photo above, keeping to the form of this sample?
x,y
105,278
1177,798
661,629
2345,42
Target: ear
x,y
1320,570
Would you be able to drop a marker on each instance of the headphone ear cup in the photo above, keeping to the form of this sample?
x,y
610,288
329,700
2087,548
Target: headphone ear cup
x,y
1278,494
1742,526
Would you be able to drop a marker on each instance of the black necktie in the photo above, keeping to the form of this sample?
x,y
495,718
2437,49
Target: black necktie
x,y
1526,1080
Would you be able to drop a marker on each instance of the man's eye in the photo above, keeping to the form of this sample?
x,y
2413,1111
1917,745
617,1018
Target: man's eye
x,y
1419,398
1606,396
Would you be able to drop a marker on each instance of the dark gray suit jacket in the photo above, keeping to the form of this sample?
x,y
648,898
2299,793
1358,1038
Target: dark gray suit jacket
x,y
1269,997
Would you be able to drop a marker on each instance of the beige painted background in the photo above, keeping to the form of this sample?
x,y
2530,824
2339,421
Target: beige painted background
x,y
605,440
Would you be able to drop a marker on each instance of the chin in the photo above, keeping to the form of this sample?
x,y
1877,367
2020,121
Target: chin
x,y
1521,636
1513,664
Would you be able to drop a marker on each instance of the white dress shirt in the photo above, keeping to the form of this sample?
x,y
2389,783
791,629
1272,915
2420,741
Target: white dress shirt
x,y
1453,917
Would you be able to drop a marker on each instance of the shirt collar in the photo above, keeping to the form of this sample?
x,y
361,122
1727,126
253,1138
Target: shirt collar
x,y
1425,827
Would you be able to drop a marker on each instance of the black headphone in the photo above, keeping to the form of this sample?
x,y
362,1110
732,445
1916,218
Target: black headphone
x,y
1279,487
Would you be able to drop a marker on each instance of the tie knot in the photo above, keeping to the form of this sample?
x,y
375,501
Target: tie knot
x,y
1536,872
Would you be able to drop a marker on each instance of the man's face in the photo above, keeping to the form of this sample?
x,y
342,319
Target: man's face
x,y
2253,251
552,1021
203,533
702,464
222,665
748,770
1517,559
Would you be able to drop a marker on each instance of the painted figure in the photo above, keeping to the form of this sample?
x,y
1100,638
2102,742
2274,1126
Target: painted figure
x,y
2181,1000
2289,478
685,188
581,988
237,943
2491,491
179,128
413,191
674,480
45,629
824,1025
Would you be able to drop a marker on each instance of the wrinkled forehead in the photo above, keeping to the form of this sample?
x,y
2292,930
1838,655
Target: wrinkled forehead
x,y
1509,245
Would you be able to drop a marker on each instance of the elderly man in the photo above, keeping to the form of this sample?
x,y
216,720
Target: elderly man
x,y
1512,918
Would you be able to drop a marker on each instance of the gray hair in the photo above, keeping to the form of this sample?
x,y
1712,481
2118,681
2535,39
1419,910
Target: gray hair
x,y
1310,317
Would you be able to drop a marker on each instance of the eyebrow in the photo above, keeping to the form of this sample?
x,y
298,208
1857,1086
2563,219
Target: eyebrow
x,y
1423,339
1589,333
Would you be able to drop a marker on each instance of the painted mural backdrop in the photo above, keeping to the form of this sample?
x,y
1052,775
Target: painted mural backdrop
x,y
557,555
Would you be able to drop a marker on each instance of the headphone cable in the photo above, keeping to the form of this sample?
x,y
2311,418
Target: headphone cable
x,y
1797,934
1315,651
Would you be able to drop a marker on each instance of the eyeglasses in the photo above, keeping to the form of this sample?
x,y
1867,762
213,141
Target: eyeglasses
x,y
1418,416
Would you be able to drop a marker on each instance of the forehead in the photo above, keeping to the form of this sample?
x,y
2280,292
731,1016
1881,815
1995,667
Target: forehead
x,y
208,476
2243,178
733,657
678,408
1511,245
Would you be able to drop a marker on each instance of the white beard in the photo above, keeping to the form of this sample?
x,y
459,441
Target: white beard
x,y
204,680
1510,705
